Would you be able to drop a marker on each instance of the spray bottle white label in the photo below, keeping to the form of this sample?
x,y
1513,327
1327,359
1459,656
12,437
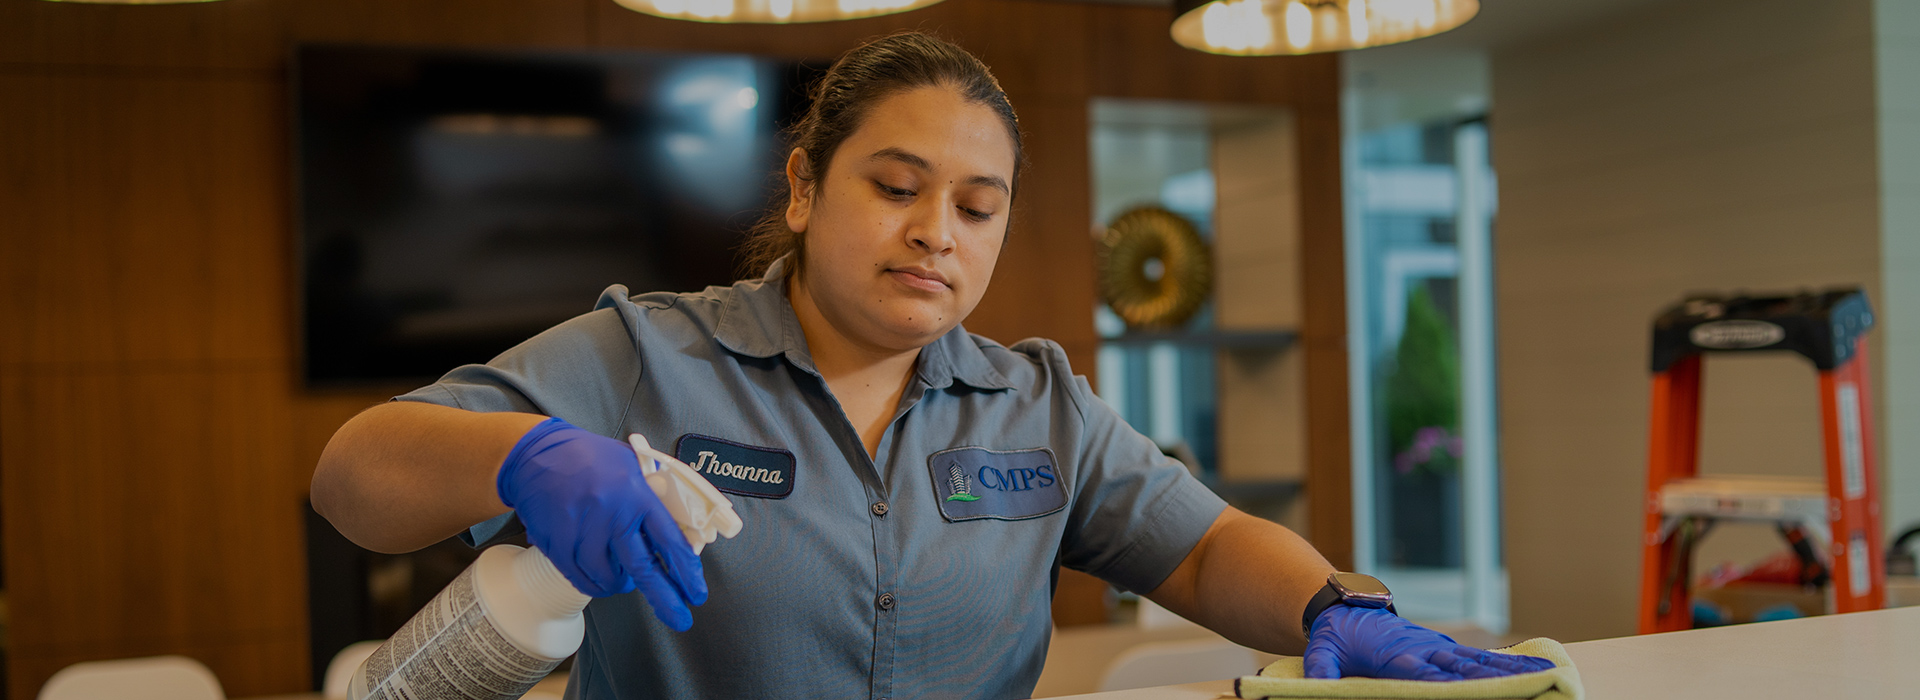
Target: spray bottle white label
x,y
449,651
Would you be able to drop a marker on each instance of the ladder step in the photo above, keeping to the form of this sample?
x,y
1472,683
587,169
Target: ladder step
x,y
1747,497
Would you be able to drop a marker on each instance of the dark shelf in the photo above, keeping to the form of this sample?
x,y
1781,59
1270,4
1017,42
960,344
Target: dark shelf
x,y
1265,340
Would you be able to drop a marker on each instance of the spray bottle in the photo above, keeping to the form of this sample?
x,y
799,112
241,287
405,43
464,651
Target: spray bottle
x,y
511,617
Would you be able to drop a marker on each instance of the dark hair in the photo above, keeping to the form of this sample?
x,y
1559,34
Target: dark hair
x,y
842,97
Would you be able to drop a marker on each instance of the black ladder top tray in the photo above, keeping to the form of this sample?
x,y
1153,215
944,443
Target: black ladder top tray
x,y
1823,326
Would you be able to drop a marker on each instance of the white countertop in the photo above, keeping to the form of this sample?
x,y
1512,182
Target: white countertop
x,y
1833,657
1859,655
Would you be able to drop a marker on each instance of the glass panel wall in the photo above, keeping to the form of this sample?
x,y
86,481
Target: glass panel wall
x,y
1222,391
1419,220
1157,154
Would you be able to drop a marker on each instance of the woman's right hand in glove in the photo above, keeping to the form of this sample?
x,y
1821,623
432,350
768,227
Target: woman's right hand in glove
x,y
588,509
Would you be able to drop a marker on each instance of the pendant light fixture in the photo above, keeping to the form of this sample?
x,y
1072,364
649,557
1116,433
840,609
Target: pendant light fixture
x,y
771,11
1275,27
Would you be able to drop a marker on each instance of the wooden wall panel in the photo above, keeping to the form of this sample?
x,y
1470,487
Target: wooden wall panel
x,y
252,37
149,510
475,23
146,199
1040,260
248,36
154,446
1261,421
1323,336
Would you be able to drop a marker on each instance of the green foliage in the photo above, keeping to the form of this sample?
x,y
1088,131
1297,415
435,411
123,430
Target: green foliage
x,y
1423,390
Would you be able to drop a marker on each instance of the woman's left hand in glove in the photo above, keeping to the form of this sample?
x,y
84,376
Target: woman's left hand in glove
x,y
1374,643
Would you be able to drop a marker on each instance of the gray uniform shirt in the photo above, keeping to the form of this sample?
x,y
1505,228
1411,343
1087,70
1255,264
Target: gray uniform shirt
x,y
925,572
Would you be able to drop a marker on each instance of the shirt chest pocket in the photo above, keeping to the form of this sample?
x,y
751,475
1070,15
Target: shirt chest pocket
x,y
978,483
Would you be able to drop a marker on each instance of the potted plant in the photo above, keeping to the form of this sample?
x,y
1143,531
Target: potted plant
x,y
1422,404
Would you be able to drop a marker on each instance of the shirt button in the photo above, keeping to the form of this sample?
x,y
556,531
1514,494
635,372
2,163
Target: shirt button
x,y
886,601
880,508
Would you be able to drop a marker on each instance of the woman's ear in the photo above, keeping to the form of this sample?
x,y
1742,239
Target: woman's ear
x,y
799,191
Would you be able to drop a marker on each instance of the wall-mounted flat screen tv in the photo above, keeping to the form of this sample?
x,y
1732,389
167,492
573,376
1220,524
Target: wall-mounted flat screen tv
x,y
455,203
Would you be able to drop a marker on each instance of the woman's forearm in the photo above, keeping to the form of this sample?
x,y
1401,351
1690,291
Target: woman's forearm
x,y
1249,580
404,475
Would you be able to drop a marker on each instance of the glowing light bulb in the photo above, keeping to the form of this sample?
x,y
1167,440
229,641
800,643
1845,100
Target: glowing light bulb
x,y
1299,25
746,98
1357,28
1267,27
711,9
757,11
1215,25
1236,25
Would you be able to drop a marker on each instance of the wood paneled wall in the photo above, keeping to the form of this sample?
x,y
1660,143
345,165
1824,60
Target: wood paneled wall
x,y
155,446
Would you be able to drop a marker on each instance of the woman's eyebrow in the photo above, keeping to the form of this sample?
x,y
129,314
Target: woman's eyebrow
x,y
993,181
899,155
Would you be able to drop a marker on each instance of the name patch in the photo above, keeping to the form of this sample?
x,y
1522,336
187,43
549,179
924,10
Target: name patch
x,y
974,483
762,472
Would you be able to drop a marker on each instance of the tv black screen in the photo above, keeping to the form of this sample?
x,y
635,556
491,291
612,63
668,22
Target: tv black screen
x,y
455,203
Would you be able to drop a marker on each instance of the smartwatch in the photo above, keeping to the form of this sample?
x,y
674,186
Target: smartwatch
x,y
1357,590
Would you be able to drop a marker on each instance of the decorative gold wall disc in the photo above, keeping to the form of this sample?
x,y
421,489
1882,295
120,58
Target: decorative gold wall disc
x,y
1146,241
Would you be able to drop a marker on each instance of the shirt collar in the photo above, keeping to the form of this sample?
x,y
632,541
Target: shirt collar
x,y
956,357
757,320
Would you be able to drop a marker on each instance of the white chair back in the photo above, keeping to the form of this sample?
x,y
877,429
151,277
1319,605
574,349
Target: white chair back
x,y
149,678
1172,663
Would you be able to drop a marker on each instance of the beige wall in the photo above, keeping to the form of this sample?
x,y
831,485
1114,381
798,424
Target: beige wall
x,y
1699,145
1256,237
1257,269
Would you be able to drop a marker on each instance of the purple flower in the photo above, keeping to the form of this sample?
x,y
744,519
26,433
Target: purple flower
x,y
1426,443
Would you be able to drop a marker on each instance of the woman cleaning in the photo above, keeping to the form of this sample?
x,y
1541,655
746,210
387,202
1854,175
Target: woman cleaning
x,y
908,488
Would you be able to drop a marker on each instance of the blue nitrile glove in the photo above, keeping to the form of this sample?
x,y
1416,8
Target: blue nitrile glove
x,y
588,508
1371,642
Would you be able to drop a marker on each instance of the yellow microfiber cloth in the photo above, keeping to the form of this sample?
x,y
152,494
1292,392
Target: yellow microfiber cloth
x,y
1287,678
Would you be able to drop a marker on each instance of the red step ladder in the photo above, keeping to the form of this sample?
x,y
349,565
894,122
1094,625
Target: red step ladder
x,y
1843,510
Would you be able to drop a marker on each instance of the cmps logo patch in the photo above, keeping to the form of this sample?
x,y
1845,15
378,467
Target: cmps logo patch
x,y
762,472
975,483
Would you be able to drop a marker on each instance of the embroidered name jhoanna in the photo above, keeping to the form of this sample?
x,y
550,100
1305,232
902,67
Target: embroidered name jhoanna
x,y
711,464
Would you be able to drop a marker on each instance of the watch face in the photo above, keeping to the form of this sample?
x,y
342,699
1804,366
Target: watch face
x,y
1361,585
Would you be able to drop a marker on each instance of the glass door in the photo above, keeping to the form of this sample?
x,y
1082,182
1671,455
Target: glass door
x,y
1420,211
